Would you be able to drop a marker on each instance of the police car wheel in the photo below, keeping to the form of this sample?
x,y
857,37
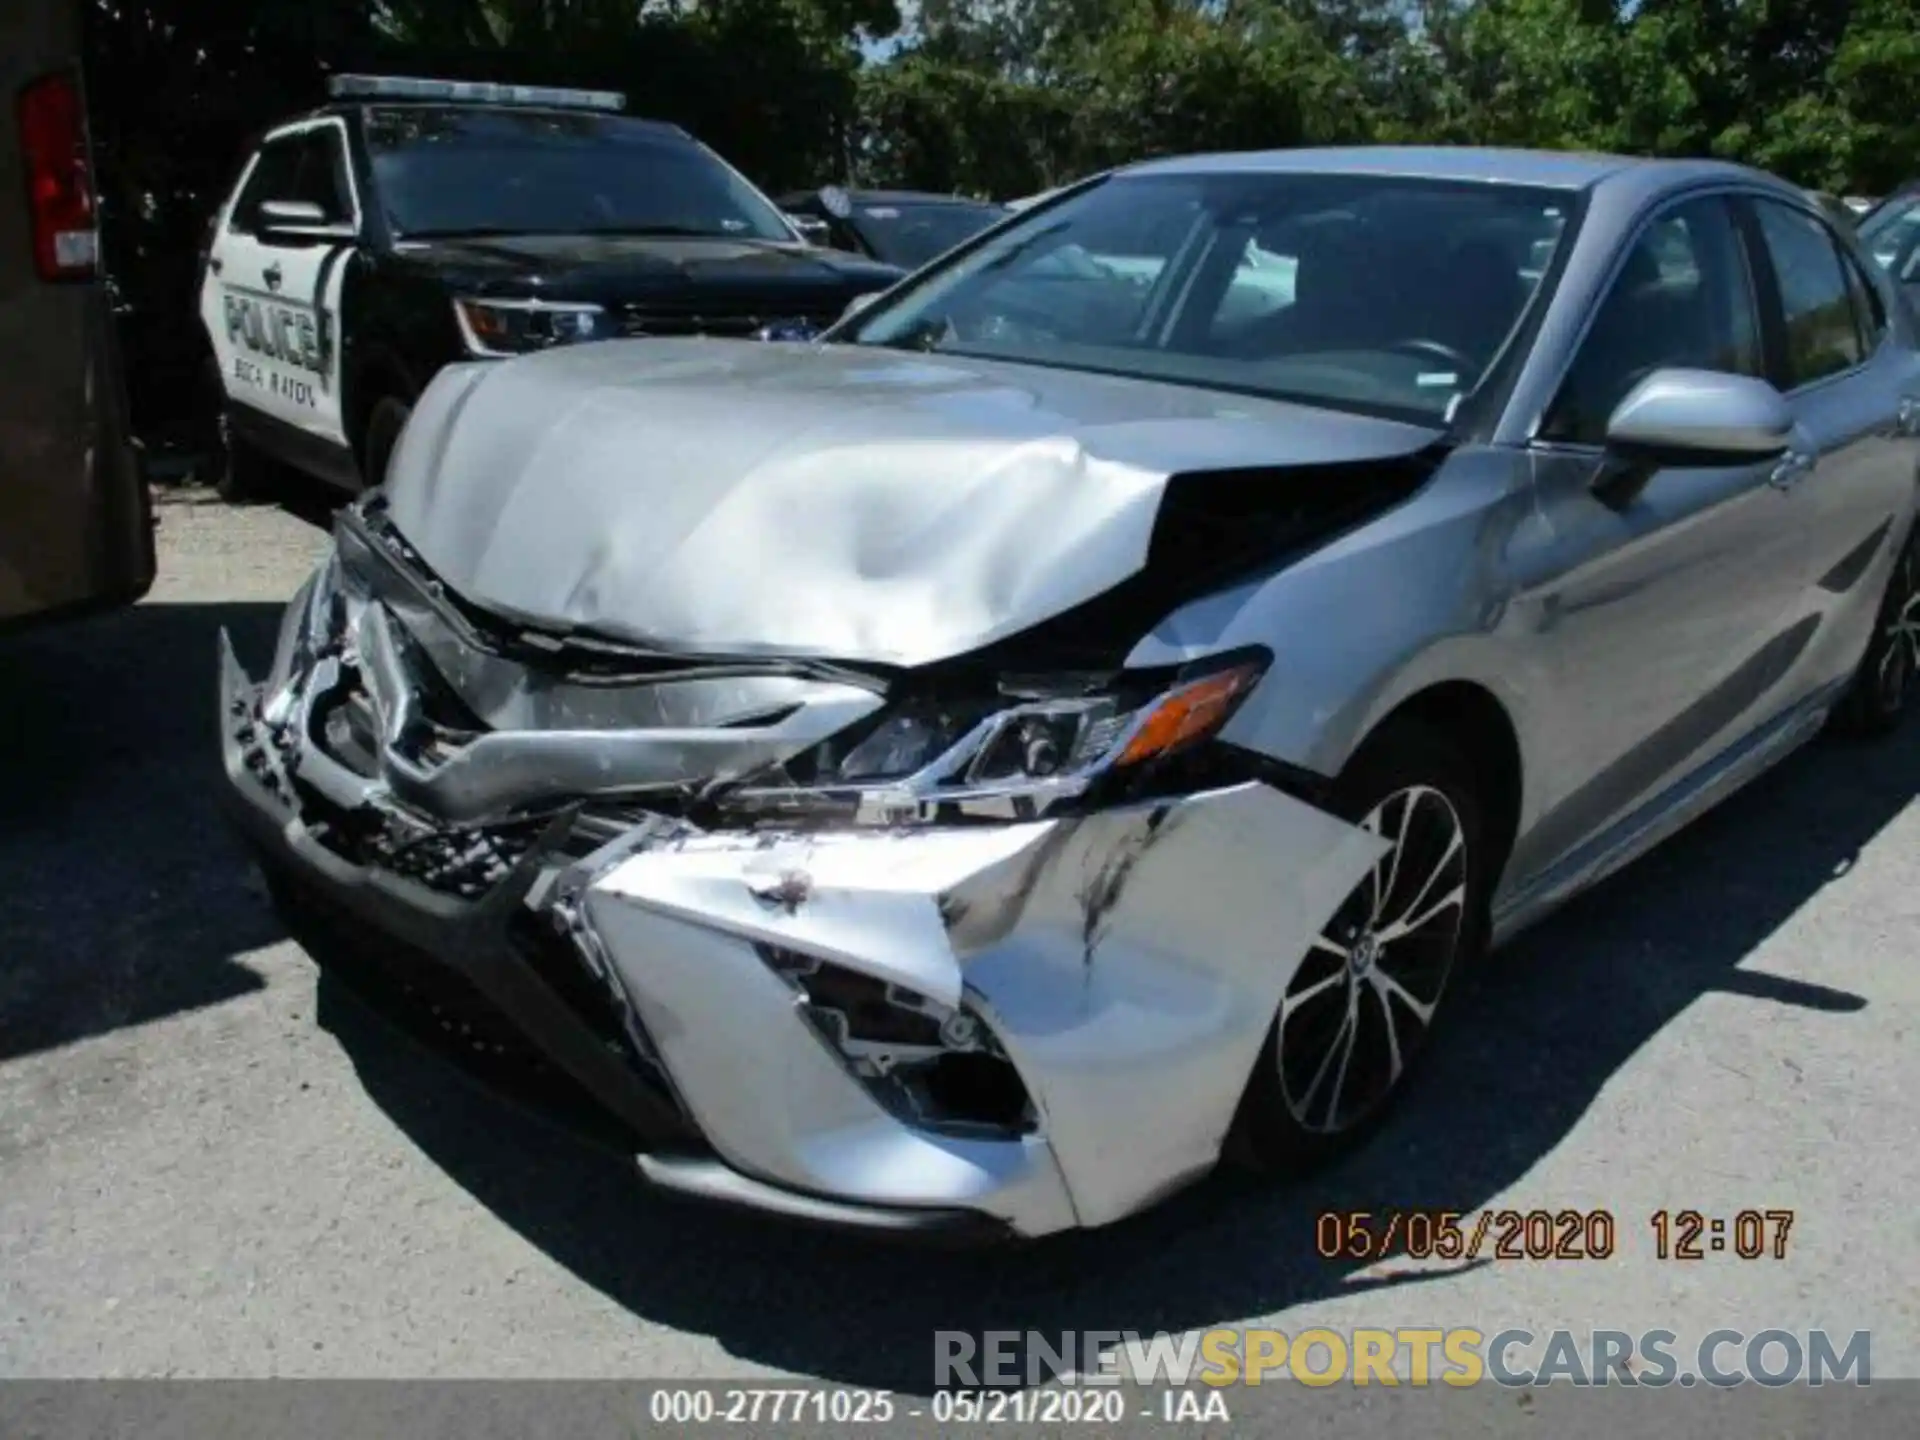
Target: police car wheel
x,y
239,471
384,424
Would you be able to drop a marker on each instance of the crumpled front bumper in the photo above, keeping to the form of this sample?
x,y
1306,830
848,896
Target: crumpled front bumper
x,y
1126,963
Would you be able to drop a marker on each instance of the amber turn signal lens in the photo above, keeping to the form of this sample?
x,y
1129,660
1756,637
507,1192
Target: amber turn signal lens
x,y
1189,713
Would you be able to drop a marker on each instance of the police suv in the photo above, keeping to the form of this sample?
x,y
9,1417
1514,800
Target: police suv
x,y
411,223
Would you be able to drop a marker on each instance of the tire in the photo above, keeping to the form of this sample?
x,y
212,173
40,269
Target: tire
x,y
1883,687
384,423
240,472
1303,1105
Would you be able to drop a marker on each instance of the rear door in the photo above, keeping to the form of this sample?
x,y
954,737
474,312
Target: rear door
x,y
271,300
1832,355
74,524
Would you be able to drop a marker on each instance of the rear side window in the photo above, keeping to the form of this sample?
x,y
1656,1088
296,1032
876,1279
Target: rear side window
x,y
1869,315
1682,298
1822,337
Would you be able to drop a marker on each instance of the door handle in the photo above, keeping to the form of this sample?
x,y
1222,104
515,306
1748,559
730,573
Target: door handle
x,y
272,276
1794,467
216,264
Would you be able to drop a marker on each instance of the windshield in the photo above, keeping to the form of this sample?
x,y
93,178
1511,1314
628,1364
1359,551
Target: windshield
x,y
1892,236
1381,294
451,170
910,234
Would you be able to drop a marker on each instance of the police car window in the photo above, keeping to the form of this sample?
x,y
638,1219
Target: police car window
x,y
321,176
474,170
271,179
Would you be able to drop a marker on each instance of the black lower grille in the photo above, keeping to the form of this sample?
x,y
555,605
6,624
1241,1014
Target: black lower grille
x,y
440,1009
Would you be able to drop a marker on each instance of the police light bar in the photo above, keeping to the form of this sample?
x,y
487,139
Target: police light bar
x,y
480,92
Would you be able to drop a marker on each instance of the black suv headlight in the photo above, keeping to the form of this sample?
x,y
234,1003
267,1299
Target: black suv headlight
x,y
515,327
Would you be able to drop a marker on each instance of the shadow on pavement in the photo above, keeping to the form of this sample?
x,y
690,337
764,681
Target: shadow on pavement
x,y
125,898
1553,1018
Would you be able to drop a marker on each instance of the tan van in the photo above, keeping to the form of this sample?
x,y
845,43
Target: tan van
x,y
75,527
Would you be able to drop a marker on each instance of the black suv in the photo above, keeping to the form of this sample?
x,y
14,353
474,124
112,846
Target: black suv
x,y
413,223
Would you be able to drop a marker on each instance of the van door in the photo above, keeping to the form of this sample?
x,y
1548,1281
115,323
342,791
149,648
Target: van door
x,y
75,527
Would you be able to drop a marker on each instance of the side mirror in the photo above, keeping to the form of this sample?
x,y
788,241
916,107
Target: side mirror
x,y
299,220
859,303
1700,417
811,229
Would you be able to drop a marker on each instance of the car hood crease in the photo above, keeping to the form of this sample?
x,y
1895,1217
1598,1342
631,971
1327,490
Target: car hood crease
x,y
837,501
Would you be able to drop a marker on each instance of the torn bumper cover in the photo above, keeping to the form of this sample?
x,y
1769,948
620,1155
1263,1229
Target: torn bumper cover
x,y
1017,1026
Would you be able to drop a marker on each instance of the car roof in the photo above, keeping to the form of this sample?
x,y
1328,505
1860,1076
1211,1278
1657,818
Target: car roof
x,y
1559,169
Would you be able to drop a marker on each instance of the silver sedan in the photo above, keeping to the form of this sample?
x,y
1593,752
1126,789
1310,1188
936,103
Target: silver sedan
x,y
1079,719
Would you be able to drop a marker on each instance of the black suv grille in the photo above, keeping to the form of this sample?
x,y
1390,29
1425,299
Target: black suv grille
x,y
735,319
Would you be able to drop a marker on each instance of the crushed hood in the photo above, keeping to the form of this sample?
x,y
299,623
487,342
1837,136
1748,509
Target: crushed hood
x,y
840,501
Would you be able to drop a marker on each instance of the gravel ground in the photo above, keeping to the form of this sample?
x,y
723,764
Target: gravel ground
x,y
218,1163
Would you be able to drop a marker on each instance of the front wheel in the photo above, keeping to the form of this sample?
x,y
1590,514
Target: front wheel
x,y
238,471
1883,686
1359,1008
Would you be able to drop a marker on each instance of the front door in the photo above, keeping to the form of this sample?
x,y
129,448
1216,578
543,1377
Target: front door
x,y
1661,615
271,300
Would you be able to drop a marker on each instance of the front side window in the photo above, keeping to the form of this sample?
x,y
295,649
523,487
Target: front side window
x,y
1681,298
272,178
322,175
309,165
1821,336
1382,294
453,170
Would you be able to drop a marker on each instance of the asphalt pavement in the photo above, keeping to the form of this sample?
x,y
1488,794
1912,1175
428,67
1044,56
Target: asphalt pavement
x,y
216,1161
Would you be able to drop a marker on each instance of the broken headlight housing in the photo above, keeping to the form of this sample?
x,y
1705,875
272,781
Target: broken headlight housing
x,y
1012,754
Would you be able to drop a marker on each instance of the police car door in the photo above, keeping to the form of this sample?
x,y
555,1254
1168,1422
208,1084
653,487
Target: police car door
x,y
271,299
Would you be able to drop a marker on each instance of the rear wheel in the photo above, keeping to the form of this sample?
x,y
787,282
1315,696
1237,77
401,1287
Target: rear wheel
x,y
384,423
1360,1007
1883,687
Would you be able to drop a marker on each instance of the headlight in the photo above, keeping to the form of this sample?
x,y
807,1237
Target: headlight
x,y
1010,755
515,327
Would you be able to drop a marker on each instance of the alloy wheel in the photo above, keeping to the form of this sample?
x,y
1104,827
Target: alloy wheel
x,y
1363,1000
1901,634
